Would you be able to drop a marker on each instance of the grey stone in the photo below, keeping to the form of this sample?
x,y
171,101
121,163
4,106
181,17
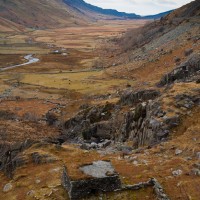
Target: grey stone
x,y
135,162
195,172
177,172
7,187
93,145
37,181
104,144
178,151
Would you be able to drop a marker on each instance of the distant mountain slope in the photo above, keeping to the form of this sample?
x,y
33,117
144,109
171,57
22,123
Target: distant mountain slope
x,y
40,13
85,7
159,15
56,13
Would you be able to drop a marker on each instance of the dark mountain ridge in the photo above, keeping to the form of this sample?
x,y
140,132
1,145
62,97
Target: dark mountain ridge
x,y
83,6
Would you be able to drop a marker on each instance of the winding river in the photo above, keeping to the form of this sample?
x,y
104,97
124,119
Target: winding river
x,y
29,58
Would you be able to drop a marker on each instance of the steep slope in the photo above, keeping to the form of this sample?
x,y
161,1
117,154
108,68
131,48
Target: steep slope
x,y
138,37
40,13
9,26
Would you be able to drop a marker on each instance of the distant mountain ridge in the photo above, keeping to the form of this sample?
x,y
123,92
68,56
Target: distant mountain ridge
x,y
157,16
83,6
16,14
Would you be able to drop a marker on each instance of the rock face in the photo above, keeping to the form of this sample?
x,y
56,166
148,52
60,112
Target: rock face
x,y
182,72
131,97
91,122
100,176
144,124
143,117
143,127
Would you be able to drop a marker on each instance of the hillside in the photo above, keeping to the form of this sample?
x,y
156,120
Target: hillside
x,y
41,13
139,37
58,13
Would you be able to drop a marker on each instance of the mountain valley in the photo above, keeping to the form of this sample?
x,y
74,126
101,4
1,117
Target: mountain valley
x,y
79,86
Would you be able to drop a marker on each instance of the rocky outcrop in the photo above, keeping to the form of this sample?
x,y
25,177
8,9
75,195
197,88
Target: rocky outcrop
x,y
132,97
140,117
91,122
187,69
143,126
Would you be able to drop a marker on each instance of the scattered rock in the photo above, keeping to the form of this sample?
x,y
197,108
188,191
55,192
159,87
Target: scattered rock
x,y
195,172
30,193
178,151
7,187
177,172
37,181
135,162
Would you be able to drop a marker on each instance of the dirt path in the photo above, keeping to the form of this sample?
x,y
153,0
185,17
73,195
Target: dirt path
x,y
30,59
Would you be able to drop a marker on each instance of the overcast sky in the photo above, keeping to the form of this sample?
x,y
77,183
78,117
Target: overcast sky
x,y
141,7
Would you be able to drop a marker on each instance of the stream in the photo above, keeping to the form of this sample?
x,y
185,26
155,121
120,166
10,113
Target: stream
x,y
30,59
